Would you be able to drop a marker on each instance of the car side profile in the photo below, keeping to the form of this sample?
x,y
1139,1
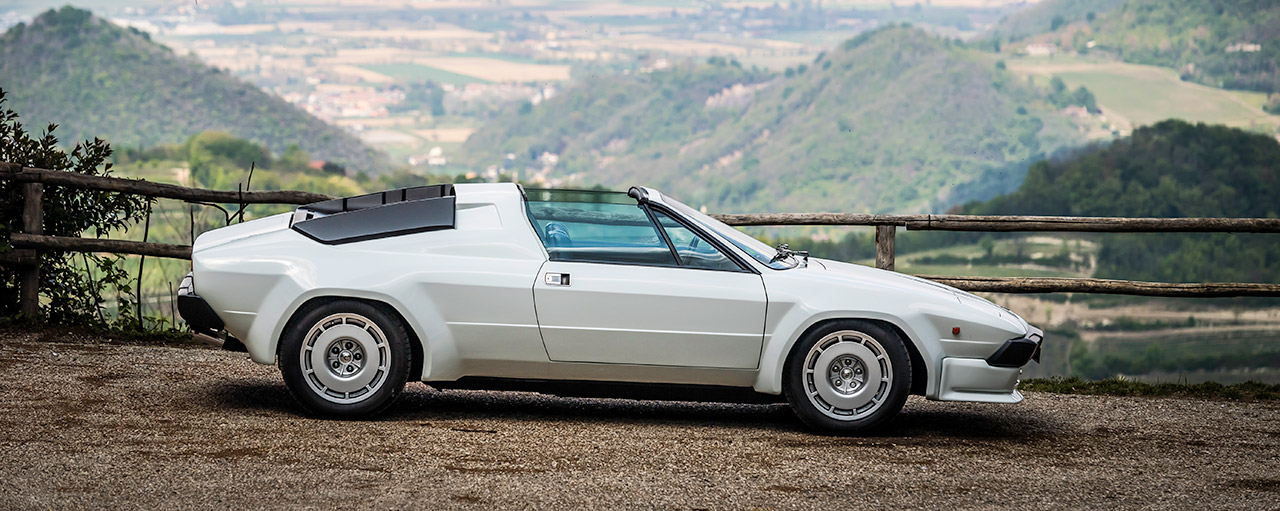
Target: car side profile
x,y
586,293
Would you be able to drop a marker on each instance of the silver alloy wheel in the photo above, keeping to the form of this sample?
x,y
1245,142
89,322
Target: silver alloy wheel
x,y
847,375
345,358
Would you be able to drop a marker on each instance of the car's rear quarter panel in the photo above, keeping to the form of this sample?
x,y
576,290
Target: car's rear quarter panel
x,y
465,292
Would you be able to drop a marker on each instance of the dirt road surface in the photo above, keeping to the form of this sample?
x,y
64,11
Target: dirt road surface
x,y
87,424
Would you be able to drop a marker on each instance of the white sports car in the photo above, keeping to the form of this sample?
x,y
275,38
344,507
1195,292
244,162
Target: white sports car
x,y
585,293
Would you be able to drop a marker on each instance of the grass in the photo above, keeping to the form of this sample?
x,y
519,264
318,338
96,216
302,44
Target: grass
x,y
1248,391
958,270
814,37
181,338
625,21
1146,94
419,73
518,59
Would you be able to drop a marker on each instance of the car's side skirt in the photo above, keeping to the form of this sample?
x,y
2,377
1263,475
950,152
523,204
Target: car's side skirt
x,y
610,389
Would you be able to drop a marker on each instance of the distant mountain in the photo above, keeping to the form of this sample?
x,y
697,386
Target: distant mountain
x,y
1170,169
1048,16
892,121
1233,44
102,80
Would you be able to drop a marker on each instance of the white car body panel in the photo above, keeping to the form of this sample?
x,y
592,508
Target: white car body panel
x,y
614,313
476,298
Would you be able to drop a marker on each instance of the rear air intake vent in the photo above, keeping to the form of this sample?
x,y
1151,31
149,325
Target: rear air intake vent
x,y
377,215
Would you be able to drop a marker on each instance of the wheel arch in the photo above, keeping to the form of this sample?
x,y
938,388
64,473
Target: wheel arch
x,y
415,339
919,372
778,347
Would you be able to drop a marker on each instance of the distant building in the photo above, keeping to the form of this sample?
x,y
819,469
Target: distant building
x,y
1244,48
1075,111
1041,49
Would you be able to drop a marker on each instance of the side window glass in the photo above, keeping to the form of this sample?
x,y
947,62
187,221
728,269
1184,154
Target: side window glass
x,y
596,232
694,250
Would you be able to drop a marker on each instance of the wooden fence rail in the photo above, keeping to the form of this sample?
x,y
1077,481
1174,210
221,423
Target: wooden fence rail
x,y
147,188
31,241
68,244
1011,223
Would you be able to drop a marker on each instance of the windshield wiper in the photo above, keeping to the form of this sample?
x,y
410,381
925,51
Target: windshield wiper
x,y
785,251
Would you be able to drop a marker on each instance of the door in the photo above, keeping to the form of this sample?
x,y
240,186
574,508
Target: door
x,y
622,314
628,283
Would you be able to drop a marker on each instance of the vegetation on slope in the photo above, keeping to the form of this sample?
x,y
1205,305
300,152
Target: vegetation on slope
x,y
1170,169
105,81
1207,41
894,120
1048,16
1249,391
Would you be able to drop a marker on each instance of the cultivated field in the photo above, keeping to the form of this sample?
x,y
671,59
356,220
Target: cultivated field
x,y
1143,95
87,424
498,70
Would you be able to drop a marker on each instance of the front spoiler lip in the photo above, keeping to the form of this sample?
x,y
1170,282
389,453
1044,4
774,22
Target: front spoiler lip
x,y
1018,352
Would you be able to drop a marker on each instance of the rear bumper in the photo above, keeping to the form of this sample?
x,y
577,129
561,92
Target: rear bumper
x,y
993,380
195,311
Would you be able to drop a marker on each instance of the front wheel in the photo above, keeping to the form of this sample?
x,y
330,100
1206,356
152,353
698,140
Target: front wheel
x,y
848,377
345,360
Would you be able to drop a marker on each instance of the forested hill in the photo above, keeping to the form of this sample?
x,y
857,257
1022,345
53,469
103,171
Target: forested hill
x,y
1048,16
1207,41
98,79
894,120
1170,169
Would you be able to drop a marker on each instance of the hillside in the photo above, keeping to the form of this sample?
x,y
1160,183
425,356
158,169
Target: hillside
x,y
892,121
1207,41
1048,16
105,81
1170,169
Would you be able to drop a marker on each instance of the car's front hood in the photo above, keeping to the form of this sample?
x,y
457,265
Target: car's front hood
x,y
864,277
856,273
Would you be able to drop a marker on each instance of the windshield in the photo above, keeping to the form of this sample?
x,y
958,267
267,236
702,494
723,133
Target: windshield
x,y
755,248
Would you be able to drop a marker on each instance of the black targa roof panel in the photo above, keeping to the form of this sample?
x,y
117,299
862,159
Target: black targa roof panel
x,y
379,215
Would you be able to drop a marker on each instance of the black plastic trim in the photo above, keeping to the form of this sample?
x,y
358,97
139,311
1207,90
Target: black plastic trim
x,y
198,314
743,265
233,344
1018,352
370,200
620,390
662,233
384,221
638,194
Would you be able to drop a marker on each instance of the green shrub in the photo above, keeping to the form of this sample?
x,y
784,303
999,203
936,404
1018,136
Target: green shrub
x,y
72,295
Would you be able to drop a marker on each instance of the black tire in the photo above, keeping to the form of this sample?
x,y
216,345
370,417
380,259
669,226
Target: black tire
x,y
358,344
843,361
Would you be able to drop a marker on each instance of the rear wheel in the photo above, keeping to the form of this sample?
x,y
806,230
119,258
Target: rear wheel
x,y
848,377
345,359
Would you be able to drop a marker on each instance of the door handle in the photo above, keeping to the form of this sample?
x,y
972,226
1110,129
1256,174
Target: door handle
x,y
556,279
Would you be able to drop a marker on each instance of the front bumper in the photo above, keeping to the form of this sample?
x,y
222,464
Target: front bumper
x,y
197,312
993,380
1018,352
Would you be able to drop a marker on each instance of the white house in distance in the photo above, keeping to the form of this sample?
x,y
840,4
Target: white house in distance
x,y
1041,49
1244,48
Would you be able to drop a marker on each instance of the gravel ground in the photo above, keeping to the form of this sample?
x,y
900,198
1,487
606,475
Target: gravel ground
x,y
89,424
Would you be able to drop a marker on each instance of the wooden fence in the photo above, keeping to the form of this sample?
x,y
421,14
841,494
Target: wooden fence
x,y
31,241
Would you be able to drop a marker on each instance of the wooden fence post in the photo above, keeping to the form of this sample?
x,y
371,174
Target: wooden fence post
x,y
32,223
884,246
